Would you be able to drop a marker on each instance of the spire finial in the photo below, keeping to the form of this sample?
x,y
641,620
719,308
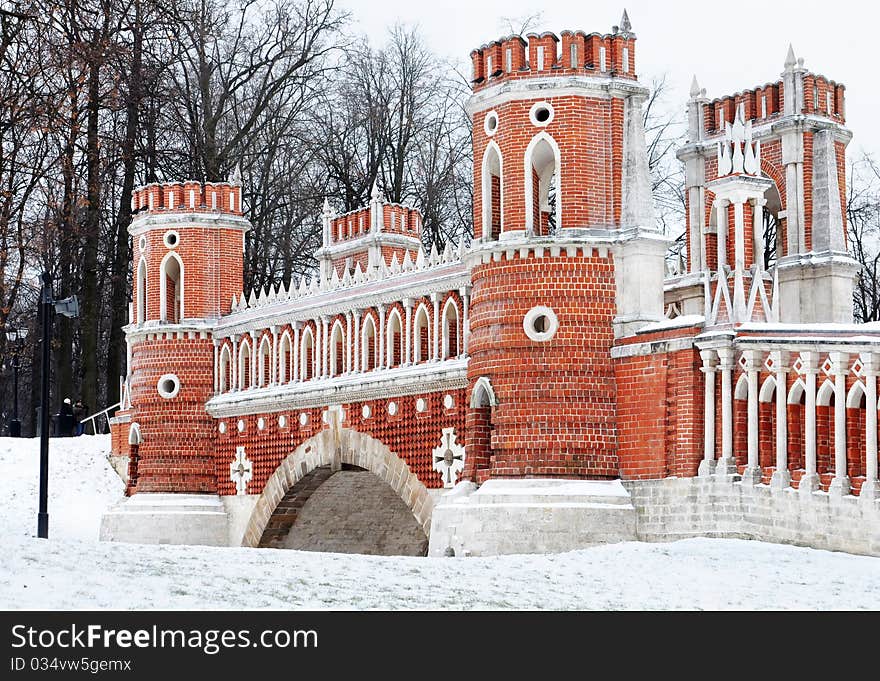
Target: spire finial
x,y
235,176
625,25
375,192
326,206
695,88
790,60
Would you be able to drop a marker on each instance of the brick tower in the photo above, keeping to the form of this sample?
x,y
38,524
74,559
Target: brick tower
x,y
188,263
565,255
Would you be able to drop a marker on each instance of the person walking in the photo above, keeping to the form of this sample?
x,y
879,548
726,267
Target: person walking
x,y
65,420
79,413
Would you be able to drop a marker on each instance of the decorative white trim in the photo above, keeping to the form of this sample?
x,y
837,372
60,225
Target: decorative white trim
x,y
171,239
448,458
448,401
486,187
542,136
142,243
241,471
421,405
261,423
366,411
164,390
282,421
163,293
134,434
484,385
533,315
221,427
240,425
392,408
304,419
533,114
490,129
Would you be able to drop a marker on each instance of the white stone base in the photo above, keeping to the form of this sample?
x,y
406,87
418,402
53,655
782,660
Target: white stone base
x,y
158,518
530,516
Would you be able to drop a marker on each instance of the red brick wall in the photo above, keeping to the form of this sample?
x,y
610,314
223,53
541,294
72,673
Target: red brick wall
x,y
409,434
556,412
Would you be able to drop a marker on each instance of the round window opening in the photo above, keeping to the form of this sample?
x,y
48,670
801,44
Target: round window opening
x,y
171,239
540,323
168,386
490,123
142,243
541,113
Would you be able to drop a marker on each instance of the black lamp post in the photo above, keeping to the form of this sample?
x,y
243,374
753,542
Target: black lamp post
x,y
15,336
69,307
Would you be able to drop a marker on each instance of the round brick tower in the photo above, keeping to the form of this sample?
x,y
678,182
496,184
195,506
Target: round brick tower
x,y
565,256
187,265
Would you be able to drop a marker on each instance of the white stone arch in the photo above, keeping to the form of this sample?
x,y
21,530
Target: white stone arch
x,y
244,355
171,267
224,381
393,337
825,393
767,390
368,330
492,166
741,391
353,448
483,395
264,352
545,165
855,395
134,434
451,306
141,291
797,392
306,343
422,318
337,340
285,355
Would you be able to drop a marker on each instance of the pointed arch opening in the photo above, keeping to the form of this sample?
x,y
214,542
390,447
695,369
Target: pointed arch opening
x,y
307,355
394,339
225,382
542,180
450,339
421,335
337,349
141,291
171,289
264,362
284,357
244,365
369,347
492,192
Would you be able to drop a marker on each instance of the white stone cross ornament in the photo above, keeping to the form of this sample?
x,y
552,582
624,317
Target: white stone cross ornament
x,y
448,457
241,471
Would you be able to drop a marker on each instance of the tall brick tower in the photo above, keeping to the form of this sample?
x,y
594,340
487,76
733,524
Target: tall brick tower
x,y
187,264
565,256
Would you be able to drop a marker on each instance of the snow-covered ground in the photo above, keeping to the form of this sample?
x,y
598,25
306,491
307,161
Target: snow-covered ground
x,y
72,570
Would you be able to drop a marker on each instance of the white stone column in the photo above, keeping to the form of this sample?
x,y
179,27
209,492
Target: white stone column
x,y
216,368
380,337
752,473
726,464
781,477
356,314
809,483
348,342
870,490
721,225
273,369
294,375
254,357
840,484
325,346
435,298
465,293
316,350
710,361
408,304
234,379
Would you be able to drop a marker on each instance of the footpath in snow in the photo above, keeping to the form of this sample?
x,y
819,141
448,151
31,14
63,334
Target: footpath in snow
x,y
72,570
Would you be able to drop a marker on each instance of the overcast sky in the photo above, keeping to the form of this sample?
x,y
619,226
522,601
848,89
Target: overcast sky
x,y
730,46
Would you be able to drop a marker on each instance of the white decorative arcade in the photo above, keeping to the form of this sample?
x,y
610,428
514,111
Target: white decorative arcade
x,y
793,412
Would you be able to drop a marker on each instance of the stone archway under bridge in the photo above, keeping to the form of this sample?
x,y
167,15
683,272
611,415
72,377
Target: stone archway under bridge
x,y
342,491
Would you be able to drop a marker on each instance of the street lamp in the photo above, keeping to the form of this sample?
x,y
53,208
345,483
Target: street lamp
x,y
14,336
69,307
